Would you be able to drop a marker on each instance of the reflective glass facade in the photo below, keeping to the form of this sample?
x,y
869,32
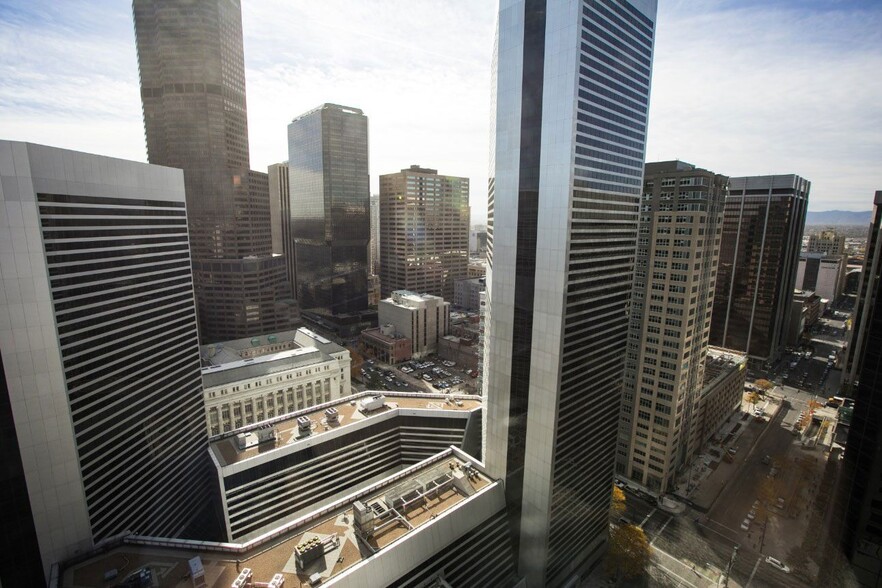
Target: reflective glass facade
x,y
330,208
759,255
191,62
571,82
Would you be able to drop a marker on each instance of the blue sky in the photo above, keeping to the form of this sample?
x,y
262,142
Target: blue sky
x,y
740,87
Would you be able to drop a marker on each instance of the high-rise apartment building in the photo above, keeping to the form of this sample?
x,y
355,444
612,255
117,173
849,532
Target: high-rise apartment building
x,y
330,208
678,247
860,489
827,242
759,254
424,231
571,94
95,266
191,62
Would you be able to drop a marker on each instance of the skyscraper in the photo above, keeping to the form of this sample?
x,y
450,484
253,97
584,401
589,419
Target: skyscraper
x,y
571,94
677,252
102,396
191,63
860,488
424,231
280,211
759,254
330,208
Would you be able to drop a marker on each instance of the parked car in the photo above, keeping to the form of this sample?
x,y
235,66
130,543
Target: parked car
x,y
767,460
776,563
751,515
745,524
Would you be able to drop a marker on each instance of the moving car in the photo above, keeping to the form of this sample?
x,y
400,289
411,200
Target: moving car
x,y
776,563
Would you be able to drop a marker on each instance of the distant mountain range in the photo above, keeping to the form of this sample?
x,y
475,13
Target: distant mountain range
x,y
838,217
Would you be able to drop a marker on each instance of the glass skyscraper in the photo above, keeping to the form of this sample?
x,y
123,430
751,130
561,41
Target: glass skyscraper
x,y
330,209
571,94
191,62
763,219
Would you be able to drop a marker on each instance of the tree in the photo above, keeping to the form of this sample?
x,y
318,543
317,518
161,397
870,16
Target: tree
x,y
752,397
629,552
763,385
617,507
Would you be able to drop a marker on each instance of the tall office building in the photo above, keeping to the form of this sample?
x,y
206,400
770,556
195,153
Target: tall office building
x,y
571,94
191,63
759,253
860,488
677,252
280,212
96,274
375,235
424,231
330,208
865,299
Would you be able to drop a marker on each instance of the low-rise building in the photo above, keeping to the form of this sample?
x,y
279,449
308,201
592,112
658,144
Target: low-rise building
x,y
247,381
467,293
724,374
477,268
384,344
463,351
422,318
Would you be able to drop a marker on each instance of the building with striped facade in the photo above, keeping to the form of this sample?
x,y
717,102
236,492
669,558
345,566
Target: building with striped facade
x,y
100,354
571,87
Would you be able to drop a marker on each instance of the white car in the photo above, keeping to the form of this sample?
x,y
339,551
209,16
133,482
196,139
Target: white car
x,y
745,524
751,515
778,564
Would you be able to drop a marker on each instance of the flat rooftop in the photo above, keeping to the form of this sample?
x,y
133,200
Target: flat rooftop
x,y
720,362
430,489
227,452
244,369
238,349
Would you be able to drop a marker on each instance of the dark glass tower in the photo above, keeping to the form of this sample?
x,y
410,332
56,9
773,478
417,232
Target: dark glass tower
x,y
763,221
192,70
860,485
571,94
330,209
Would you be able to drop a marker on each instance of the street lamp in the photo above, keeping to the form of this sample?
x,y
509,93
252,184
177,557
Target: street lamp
x,y
729,567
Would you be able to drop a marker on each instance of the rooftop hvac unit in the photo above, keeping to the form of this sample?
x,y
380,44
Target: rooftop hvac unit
x,y
242,441
243,579
332,416
309,551
278,581
266,433
304,425
372,403
365,518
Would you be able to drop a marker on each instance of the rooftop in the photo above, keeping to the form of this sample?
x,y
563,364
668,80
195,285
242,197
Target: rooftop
x,y
721,362
327,542
226,451
238,349
243,369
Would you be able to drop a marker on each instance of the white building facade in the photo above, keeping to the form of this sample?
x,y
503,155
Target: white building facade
x,y
422,318
290,377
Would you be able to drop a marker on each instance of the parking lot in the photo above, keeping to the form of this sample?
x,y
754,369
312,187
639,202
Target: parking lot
x,y
430,375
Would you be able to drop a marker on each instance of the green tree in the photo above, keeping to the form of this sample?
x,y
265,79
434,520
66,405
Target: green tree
x,y
629,552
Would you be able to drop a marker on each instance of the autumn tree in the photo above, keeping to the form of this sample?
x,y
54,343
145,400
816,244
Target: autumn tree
x,y
629,552
752,397
763,385
617,507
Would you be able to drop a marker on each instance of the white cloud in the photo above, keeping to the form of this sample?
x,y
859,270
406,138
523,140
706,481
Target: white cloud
x,y
743,90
